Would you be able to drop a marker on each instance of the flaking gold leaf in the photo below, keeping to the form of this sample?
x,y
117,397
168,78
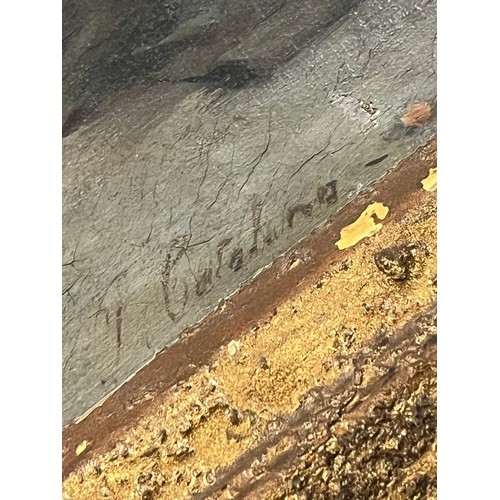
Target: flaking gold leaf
x,y
430,182
363,227
81,447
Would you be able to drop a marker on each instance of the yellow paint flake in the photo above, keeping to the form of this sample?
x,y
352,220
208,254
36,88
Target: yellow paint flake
x,y
363,227
81,447
430,182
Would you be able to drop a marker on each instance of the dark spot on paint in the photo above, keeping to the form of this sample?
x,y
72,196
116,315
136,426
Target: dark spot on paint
x,y
377,160
231,75
236,260
369,108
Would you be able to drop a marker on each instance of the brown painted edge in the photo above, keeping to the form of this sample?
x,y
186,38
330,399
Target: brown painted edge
x,y
253,303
